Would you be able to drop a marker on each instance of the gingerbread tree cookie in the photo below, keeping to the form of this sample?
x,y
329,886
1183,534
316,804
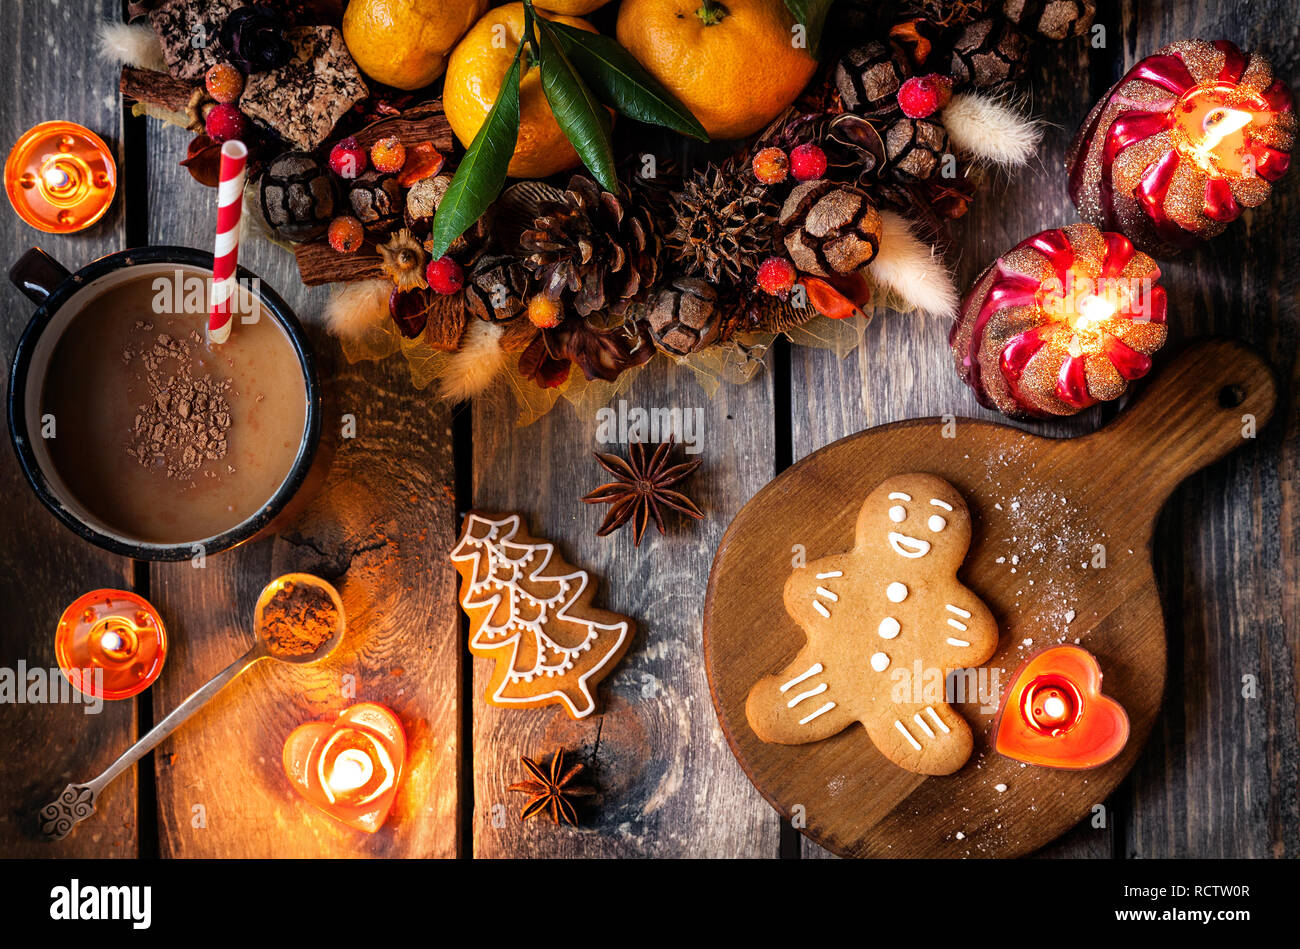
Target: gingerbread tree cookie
x,y
532,613
879,619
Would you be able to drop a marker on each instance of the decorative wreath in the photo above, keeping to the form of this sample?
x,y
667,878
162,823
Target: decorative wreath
x,y
565,286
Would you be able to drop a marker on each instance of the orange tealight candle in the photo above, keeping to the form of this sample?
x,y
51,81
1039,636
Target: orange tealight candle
x,y
350,768
1055,715
116,632
60,177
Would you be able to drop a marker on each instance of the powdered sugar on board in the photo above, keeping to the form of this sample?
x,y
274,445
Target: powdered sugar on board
x,y
1051,546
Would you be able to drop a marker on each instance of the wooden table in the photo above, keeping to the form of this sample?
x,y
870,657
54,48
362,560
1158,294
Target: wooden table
x,y
1219,777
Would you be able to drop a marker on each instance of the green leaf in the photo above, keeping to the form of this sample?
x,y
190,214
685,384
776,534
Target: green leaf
x,y
482,172
623,83
581,116
812,14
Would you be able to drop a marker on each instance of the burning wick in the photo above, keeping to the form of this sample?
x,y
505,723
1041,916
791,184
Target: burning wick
x,y
1054,707
352,769
1093,311
56,178
1219,124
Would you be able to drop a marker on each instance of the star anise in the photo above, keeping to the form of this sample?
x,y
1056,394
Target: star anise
x,y
642,489
550,789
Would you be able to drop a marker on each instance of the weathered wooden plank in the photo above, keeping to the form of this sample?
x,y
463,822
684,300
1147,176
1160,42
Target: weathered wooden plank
x,y
669,784
903,369
1220,775
378,529
52,72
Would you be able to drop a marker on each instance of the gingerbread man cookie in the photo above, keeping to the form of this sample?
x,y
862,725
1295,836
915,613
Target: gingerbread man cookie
x,y
532,613
875,617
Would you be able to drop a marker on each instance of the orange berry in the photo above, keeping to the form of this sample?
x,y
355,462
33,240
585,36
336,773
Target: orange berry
x,y
544,312
224,83
388,155
346,234
771,165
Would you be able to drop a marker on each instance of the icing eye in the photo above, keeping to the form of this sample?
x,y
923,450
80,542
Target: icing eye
x,y
937,523
897,513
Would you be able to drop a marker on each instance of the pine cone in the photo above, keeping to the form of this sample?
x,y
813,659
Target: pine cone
x,y
829,228
914,147
723,226
497,287
685,317
989,53
869,77
1055,19
596,247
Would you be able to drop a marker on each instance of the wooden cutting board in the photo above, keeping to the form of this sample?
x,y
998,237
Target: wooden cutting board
x,y
1045,511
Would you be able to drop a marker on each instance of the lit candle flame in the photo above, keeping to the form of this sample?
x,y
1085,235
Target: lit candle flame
x,y
352,769
1054,707
1093,312
1219,124
56,178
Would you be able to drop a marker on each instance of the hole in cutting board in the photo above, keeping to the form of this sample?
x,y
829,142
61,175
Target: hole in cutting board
x,y
1231,396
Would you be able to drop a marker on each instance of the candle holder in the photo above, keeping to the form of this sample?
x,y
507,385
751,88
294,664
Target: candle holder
x,y
1055,715
60,177
349,768
1183,143
113,631
1064,320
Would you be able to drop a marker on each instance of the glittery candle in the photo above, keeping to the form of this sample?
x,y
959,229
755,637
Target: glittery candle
x,y
1178,148
1064,320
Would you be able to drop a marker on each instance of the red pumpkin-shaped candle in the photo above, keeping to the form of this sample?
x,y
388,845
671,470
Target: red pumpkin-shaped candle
x,y
1064,320
1182,144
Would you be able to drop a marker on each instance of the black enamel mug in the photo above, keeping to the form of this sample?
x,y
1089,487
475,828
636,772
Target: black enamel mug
x,y
60,297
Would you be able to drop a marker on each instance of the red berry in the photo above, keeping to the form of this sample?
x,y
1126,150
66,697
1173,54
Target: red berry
x,y
346,234
922,96
444,275
771,165
347,158
807,163
224,82
225,122
388,155
776,276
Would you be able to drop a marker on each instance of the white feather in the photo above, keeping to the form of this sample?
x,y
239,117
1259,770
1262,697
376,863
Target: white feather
x,y
991,129
354,309
912,268
132,44
471,369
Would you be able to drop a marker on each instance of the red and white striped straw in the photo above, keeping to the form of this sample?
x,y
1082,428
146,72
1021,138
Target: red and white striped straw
x,y
225,257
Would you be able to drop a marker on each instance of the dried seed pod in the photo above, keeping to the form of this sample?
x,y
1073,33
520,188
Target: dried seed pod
x,y
375,198
868,77
989,53
829,228
298,196
684,318
914,147
1055,19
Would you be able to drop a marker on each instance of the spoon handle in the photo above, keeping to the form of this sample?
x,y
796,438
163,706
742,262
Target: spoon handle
x,y
77,801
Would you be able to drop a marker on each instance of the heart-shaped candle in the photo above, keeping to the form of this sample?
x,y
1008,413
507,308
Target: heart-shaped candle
x,y
1055,715
351,767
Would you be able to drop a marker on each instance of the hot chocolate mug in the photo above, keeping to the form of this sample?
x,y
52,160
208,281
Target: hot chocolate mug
x,y
133,431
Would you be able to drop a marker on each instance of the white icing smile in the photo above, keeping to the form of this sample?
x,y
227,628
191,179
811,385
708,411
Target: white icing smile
x,y
906,546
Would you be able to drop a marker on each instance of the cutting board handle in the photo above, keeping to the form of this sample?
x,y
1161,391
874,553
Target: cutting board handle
x,y
1211,398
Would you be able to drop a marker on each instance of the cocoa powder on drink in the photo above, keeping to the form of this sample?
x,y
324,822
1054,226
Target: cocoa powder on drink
x,y
186,420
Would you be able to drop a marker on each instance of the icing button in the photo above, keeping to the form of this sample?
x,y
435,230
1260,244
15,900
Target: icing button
x,y
880,662
896,592
889,628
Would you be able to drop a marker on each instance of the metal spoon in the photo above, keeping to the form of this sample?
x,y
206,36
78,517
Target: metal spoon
x,y
77,801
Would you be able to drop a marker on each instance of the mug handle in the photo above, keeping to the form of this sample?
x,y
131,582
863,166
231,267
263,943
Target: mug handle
x,y
36,274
